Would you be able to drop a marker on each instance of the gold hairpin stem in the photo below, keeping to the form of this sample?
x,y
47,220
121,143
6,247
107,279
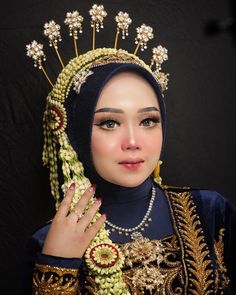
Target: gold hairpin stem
x,y
116,40
94,36
46,75
75,44
137,48
58,55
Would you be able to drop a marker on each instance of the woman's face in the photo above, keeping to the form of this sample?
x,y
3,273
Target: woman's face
x,y
127,131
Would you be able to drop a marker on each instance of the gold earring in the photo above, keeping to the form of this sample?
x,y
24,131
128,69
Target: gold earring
x,y
156,173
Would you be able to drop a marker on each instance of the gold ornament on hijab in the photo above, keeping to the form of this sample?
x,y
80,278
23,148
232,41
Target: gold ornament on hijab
x,y
156,173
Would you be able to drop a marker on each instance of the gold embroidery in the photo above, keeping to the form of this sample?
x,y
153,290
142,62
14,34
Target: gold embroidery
x,y
174,265
165,187
222,280
143,257
121,57
142,273
92,288
54,280
153,266
197,259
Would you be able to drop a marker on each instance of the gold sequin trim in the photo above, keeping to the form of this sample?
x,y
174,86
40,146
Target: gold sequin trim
x,y
91,286
222,280
54,280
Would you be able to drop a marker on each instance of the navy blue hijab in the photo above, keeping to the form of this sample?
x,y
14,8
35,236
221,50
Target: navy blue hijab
x,y
81,107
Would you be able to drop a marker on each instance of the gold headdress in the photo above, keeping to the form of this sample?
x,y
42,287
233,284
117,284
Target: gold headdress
x,y
56,142
74,22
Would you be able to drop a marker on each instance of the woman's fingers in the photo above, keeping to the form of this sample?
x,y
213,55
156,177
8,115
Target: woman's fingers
x,y
82,204
68,235
65,204
93,229
89,215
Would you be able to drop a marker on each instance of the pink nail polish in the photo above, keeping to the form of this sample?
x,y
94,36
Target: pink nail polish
x,y
98,201
92,188
72,186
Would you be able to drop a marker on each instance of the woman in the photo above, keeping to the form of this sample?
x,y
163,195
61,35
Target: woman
x,y
107,111
125,144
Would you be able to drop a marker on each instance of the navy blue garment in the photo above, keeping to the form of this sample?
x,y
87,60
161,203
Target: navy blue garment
x,y
122,205
126,207
216,213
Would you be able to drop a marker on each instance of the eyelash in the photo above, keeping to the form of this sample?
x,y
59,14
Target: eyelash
x,y
104,122
155,120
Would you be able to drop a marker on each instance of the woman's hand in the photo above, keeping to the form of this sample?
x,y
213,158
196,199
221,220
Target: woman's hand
x,y
69,237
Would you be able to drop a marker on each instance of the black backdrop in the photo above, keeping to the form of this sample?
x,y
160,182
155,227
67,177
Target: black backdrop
x,y
201,104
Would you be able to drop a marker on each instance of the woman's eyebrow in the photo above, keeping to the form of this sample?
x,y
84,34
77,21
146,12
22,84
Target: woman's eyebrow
x,y
120,111
109,110
148,109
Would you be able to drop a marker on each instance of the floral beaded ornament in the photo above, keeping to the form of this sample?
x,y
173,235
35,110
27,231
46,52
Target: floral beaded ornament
x,y
104,259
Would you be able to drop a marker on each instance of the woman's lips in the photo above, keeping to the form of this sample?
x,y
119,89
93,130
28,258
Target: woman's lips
x,y
132,164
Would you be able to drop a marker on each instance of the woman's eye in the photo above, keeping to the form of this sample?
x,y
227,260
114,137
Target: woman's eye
x,y
108,124
150,122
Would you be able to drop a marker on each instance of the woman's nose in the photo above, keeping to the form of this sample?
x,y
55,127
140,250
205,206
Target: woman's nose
x,y
131,140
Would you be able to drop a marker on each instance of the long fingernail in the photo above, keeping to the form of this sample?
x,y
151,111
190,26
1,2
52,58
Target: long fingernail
x,y
105,214
98,201
72,186
92,188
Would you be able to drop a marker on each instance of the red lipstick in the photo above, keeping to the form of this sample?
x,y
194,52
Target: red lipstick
x,y
132,164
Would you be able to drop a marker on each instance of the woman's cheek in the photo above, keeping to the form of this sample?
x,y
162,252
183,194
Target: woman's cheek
x,y
152,140
104,144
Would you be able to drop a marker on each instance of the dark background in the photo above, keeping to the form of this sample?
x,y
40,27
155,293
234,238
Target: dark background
x,y
201,103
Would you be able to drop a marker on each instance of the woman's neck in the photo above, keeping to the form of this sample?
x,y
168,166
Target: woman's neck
x,y
115,194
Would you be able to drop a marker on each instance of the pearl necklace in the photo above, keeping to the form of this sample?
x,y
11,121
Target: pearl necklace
x,y
134,232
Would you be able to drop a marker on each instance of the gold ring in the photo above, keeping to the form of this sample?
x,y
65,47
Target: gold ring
x,y
77,213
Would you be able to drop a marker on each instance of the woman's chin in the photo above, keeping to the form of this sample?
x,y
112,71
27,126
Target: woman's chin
x,y
128,182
